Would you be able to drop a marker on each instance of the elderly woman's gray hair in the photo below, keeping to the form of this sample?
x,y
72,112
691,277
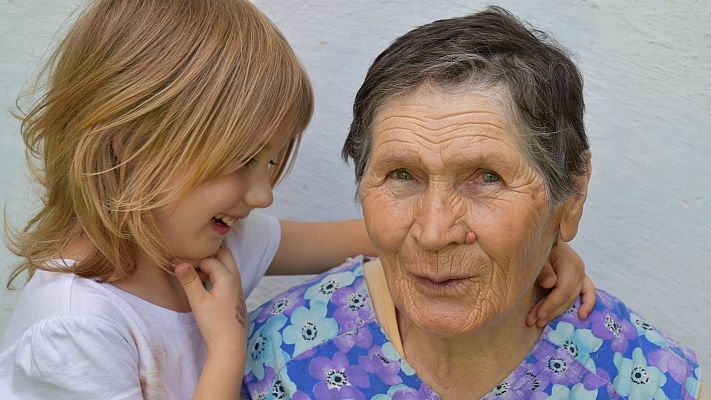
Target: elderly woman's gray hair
x,y
487,50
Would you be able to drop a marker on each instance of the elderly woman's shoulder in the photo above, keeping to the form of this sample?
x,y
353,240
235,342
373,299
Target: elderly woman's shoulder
x,y
623,351
316,292
306,316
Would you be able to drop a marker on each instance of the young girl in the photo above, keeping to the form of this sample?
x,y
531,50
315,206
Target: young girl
x,y
164,125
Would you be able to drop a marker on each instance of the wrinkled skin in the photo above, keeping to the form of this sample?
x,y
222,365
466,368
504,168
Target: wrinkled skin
x,y
457,214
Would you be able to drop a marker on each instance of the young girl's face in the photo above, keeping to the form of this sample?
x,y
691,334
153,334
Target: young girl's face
x,y
194,226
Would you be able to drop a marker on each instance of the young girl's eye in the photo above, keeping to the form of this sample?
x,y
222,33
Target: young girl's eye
x,y
490,177
401,174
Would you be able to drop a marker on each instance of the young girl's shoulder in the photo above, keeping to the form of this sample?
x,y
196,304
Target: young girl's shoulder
x,y
66,323
56,297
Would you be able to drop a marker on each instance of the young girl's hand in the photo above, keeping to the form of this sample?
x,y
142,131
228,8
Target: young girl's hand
x,y
220,311
221,316
565,273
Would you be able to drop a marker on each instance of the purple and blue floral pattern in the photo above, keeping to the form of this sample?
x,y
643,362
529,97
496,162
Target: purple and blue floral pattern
x,y
309,327
637,379
580,343
266,338
321,340
337,378
284,304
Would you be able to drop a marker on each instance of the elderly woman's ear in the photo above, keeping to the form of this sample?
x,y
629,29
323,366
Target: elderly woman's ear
x,y
573,207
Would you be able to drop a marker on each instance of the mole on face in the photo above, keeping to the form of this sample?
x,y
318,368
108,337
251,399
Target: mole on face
x,y
469,238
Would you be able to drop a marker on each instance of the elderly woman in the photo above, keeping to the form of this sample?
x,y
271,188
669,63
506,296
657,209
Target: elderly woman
x,y
472,163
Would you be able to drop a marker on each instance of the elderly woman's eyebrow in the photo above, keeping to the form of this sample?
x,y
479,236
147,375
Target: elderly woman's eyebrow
x,y
470,160
395,158
392,159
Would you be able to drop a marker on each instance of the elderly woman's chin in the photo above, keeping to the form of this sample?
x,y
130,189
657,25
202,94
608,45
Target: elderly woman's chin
x,y
450,316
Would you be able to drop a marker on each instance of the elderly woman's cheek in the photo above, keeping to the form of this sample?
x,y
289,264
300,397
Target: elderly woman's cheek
x,y
387,217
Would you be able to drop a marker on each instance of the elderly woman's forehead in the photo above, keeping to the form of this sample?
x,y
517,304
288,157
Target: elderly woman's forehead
x,y
441,111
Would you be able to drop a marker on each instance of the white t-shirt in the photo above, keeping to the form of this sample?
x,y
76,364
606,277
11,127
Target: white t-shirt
x,y
75,338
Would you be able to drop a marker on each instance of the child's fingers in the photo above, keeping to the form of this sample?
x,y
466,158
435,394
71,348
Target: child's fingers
x,y
202,275
225,257
547,278
221,280
531,317
589,297
554,304
190,281
214,269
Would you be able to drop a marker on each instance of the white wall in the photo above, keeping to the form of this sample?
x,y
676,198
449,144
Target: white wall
x,y
646,234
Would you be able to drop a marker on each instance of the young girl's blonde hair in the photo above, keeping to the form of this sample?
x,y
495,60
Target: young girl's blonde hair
x,y
145,100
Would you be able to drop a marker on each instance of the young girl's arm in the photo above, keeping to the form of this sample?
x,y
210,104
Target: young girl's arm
x,y
313,247
220,313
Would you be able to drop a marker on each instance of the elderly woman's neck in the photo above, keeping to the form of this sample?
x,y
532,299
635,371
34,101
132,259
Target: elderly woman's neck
x,y
483,359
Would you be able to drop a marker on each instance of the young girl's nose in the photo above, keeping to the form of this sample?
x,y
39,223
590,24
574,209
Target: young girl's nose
x,y
259,194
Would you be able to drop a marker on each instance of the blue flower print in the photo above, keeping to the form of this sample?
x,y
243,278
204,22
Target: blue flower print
x,y
283,304
556,365
527,381
607,325
646,329
262,389
577,392
309,327
670,363
248,379
637,380
391,392
403,392
578,342
376,363
353,309
338,379
409,393
360,337
322,291
275,387
299,395
423,393
389,351
692,383
266,337
283,388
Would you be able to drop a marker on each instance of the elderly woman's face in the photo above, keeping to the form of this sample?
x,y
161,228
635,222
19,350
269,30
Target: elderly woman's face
x,y
458,215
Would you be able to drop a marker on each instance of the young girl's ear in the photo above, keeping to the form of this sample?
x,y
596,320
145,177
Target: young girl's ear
x,y
573,208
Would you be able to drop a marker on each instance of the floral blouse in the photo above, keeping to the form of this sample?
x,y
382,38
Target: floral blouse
x,y
321,340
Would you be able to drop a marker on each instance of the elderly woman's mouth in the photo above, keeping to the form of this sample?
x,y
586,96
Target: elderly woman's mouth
x,y
443,284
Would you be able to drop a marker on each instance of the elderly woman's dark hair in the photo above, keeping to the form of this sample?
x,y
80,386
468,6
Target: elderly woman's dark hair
x,y
491,49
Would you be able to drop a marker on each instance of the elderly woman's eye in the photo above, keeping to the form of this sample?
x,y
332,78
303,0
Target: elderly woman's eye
x,y
490,177
401,174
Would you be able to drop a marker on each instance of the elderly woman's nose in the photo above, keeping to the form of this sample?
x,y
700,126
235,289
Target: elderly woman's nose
x,y
438,224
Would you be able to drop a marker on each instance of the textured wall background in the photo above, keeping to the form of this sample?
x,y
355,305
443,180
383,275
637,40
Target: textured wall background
x,y
646,234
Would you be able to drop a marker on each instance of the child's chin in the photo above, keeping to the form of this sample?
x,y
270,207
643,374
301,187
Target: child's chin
x,y
193,258
198,253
